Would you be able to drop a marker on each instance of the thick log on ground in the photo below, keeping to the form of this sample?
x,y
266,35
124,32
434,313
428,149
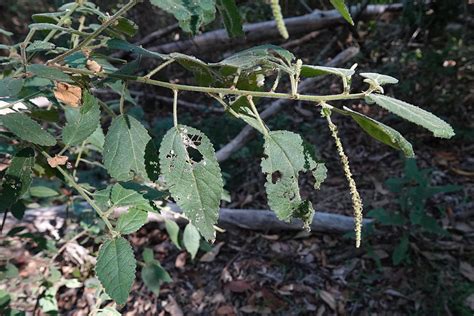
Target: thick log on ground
x,y
260,220
264,31
248,132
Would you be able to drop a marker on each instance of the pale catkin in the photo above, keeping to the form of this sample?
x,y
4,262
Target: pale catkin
x,y
356,200
276,9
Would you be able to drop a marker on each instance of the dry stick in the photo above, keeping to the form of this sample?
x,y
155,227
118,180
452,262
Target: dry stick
x,y
248,132
265,31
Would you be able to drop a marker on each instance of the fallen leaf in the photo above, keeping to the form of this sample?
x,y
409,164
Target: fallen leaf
x,y
211,255
180,260
57,161
172,307
68,94
466,270
238,286
94,66
469,302
225,310
328,298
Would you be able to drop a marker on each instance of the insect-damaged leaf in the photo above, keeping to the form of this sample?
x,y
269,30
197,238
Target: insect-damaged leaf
x,y
81,123
190,168
285,158
115,268
25,128
382,133
124,147
414,114
17,178
190,14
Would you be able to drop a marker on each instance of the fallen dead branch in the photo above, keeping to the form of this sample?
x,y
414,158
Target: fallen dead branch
x,y
264,31
247,133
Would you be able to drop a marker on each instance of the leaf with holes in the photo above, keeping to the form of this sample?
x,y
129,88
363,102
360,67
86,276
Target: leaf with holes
x,y
81,122
341,7
382,133
414,114
25,128
285,158
115,268
132,220
191,239
230,14
17,178
191,171
191,15
124,148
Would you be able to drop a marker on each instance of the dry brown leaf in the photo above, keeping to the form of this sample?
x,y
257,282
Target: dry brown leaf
x,y
328,298
57,161
68,94
172,307
180,261
211,255
238,286
94,66
225,310
466,270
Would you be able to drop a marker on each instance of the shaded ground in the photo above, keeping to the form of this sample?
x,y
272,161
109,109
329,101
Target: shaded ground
x,y
318,274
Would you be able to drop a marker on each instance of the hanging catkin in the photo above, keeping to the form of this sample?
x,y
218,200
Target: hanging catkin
x,y
276,9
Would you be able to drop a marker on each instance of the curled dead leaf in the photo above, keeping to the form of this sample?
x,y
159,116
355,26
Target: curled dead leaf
x,y
94,66
68,94
57,161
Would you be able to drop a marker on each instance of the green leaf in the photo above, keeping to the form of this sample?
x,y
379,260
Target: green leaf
x,y
153,275
125,26
191,15
382,133
51,115
191,170
400,252
126,194
25,128
42,192
191,239
414,114
132,220
115,268
10,87
124,147
38,46
97,139
285,158
83,122
5,32
230,14
108,311
387,217
48,73
242,107
379,78
309,71
173,231
124,45
340,6
17,179
148,256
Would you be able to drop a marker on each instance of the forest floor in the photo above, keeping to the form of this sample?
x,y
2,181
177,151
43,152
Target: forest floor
x,y
288,273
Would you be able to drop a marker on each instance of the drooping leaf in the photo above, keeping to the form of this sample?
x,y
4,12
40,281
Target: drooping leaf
x,y
17,179
190,169
191,239
83,122
414,114
153,274
115,268
309,71
285,158
25,128
50,73
191,15
230,14
173,231
10,87
341,7
124,147
382,133
132,220
379,78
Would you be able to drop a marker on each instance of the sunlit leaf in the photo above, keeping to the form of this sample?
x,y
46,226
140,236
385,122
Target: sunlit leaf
x,y
340,6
